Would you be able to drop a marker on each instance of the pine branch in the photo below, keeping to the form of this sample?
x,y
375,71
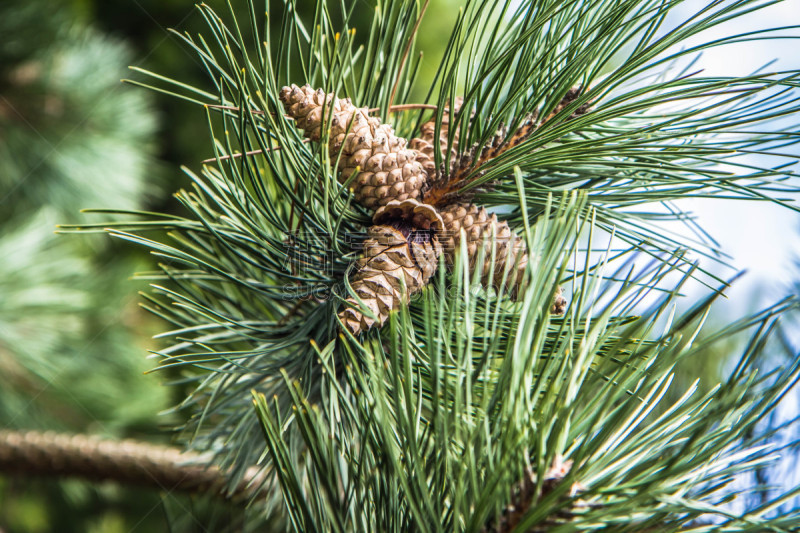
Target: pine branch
x,y
127,462
430,422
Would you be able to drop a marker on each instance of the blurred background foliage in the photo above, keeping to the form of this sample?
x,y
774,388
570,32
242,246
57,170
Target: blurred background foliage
x,y
72,337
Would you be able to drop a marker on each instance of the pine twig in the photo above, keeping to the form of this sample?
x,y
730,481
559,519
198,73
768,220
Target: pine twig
x,y
238,154
34,453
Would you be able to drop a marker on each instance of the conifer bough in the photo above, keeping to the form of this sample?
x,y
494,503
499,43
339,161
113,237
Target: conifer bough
x,y
402,250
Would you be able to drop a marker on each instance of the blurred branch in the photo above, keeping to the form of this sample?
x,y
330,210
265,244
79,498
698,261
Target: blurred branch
x,y
33,453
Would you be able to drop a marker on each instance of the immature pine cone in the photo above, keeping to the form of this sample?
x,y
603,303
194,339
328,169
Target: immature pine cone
x,y
510,252
387,170
402,246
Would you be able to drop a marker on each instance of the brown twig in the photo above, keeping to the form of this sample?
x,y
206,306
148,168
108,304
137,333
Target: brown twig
x,y
131,462
251,152
524,497
234,108
405,107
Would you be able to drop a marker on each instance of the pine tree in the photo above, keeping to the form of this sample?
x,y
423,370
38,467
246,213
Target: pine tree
x,y
561,134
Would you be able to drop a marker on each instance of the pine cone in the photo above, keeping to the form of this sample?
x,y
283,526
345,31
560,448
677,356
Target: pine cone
x,y
522,501
427,144
386,169
402,247
510,251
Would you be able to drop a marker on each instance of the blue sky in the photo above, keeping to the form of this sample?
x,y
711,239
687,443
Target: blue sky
x,y
762,238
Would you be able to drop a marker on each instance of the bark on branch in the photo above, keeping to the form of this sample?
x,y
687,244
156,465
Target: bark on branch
x,y
128,462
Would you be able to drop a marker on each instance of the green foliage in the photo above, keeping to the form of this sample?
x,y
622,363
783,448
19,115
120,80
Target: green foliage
x,y
59,324
433,427
71,136
431,422
39,313
71,335
25,31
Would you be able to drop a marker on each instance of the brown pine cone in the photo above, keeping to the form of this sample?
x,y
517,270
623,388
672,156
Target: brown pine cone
x,y
386,169
523,500
402,247
510,251
426,144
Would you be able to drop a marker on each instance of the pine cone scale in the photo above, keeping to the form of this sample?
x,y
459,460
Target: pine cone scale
x,y
400,255
367,146
502,251
427,143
